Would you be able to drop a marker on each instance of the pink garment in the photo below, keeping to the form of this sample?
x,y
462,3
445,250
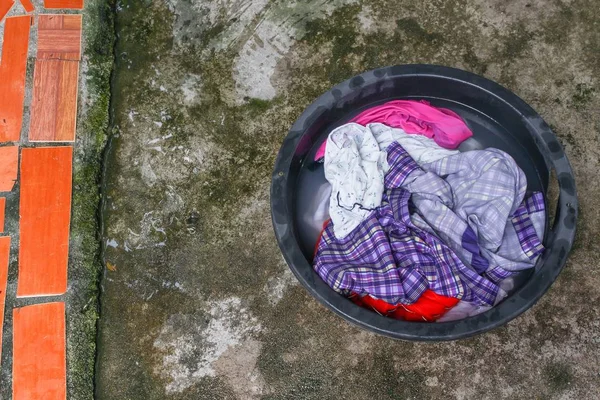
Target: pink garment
x,y
442,125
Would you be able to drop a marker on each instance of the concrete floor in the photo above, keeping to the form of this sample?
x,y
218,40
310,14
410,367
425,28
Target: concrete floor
x,y
197,302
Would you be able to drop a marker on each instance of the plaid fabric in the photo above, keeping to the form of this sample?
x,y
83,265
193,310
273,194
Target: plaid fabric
x,y
497,274
403,165
469,200
528,238
395,257
391,259
526,233
485,188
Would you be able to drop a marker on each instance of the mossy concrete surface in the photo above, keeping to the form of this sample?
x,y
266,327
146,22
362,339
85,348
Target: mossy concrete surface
x,y
85,265
197,302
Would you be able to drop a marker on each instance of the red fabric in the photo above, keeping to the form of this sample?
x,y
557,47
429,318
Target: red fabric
x,y
320,235
430,306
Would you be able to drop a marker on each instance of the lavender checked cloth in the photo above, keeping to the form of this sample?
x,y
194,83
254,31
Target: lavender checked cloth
x,y
433,230
480,210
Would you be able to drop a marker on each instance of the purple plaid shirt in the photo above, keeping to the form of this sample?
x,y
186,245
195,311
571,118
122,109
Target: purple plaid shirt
x,y
390,258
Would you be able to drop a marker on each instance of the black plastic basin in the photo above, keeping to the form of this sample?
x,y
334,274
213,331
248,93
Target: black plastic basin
x,y
497,117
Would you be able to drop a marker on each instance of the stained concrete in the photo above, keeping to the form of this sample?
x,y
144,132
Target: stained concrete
x,y
197,302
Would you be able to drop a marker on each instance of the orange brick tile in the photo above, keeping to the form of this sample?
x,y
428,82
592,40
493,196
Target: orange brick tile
x,y
9,157
45,209
54,102
5,6
2,212
39,352
4,258
12,77
70,4
59,37
27,5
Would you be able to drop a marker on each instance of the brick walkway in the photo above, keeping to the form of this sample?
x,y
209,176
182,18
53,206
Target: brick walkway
x,y
36,157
